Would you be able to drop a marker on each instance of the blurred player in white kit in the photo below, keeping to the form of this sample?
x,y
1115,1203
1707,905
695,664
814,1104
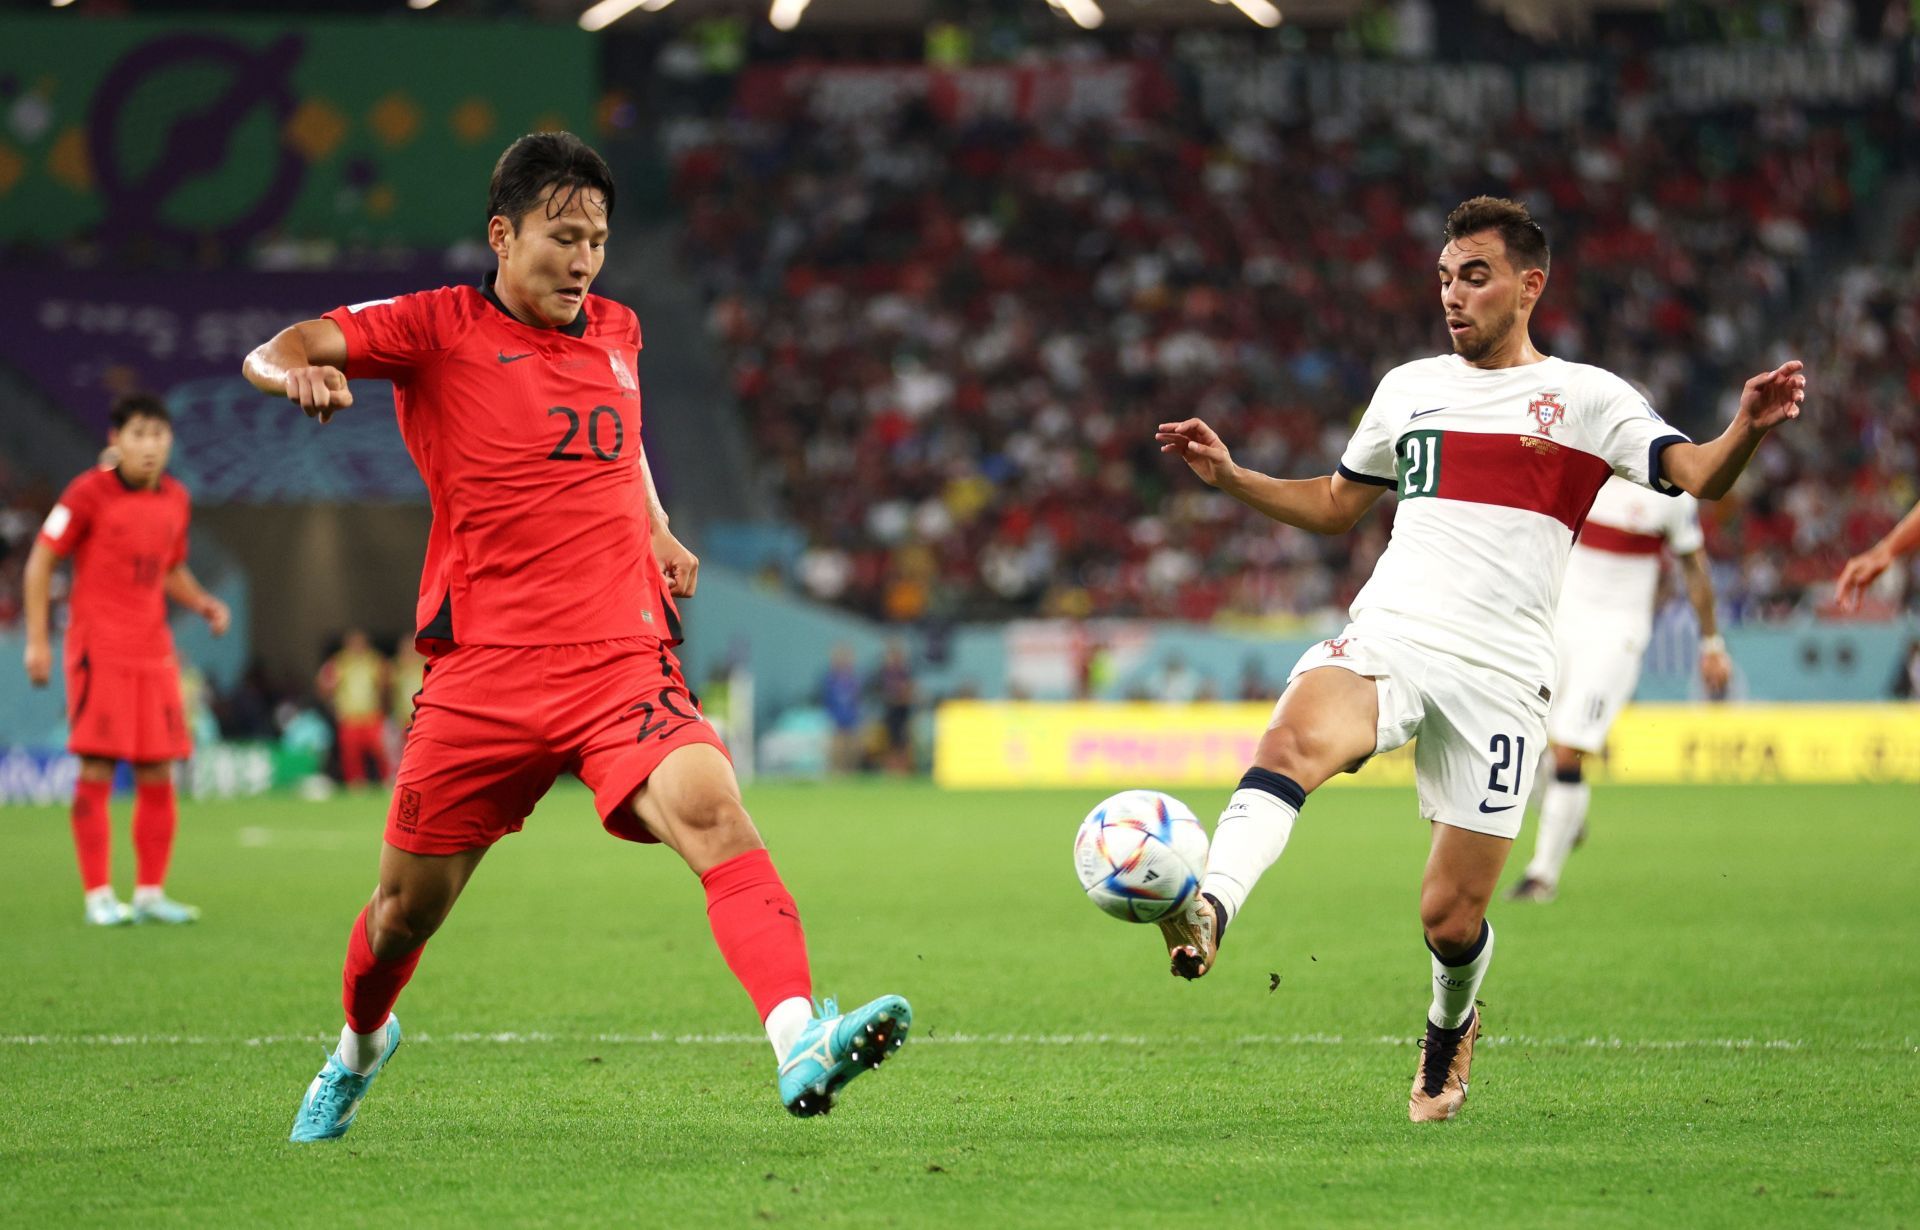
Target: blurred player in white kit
x,y
1601,629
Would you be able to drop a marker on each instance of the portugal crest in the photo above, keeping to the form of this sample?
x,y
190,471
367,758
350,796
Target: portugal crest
x,y
1546,412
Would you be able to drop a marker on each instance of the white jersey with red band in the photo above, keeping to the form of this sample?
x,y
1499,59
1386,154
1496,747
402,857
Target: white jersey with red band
x,y
1615,566
1495,469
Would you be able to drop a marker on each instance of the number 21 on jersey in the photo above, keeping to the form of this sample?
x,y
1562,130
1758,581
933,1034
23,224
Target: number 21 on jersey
x,y
1419,463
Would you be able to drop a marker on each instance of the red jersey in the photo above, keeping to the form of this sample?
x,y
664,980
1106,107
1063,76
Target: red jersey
x,y
123,542
528,440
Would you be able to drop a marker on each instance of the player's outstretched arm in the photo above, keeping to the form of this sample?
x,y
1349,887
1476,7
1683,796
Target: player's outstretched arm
x,y
1865,568
304,363
1716,668
185,588
1768,400
1326,505
38,587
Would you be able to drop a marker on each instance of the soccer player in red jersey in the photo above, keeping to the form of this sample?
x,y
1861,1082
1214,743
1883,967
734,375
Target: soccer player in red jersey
x,y
124,527
547,611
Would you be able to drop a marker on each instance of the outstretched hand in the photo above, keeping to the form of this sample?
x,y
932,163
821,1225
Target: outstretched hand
x,y
1771,398
1199,446
318,391
1861,571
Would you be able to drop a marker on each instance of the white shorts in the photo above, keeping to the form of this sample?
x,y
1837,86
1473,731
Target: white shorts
x,y
1599,669
1481,732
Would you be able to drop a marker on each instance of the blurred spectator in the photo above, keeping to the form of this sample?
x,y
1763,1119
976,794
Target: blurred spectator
x,y
894,685
952,341
1253,681
408,676
1176,682
840,696
1906,681
353,682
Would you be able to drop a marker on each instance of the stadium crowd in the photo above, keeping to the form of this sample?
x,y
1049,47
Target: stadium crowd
x,y
952,342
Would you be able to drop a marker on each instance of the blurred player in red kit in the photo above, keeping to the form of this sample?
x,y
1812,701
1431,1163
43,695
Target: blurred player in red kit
x,y
547,613
124,526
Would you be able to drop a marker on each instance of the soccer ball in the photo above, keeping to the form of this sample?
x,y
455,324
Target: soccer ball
x,y
1140,855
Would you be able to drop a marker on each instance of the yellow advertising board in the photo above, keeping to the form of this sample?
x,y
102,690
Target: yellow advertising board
x,y
1005,743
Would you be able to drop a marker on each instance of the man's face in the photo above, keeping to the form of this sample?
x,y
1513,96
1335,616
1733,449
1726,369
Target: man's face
x,y
1482,294
547,264
143,446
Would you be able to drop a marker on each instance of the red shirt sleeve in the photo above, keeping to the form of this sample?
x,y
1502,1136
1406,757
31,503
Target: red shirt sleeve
x,y
389,339
179,555
71,520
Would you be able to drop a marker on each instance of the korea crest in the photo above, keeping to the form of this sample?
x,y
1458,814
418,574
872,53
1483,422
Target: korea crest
x,y
622,373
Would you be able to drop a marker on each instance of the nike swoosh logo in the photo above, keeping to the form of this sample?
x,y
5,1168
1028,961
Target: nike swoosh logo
x,y
1417,413
504,357
1491,810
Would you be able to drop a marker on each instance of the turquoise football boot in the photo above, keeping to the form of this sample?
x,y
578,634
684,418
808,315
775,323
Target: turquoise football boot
x,y
835,1049
164,909
333,1099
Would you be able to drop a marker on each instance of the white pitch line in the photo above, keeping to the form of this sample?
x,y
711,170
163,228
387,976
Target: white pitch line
x,y
537,1038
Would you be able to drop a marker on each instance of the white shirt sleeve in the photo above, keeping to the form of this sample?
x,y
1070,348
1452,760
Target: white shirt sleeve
x,y
1369,456
1629,434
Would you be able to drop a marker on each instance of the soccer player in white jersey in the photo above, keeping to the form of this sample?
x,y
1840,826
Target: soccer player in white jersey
x,y
1601,631
1496,451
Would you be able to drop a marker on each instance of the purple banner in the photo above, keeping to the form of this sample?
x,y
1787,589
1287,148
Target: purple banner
x,y
83,338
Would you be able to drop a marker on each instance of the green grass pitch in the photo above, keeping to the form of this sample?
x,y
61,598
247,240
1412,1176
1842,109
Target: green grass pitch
x,y
1717,1025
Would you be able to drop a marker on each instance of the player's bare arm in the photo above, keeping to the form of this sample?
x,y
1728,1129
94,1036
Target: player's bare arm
x,y
1768,400
1865,568
185,589
304,363
38,585
1716,668
1330,504
681,566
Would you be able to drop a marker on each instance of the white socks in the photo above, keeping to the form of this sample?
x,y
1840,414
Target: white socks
x,y
1252,832
101,896
1563,809
359,1052
147,894
1455,985
786,1023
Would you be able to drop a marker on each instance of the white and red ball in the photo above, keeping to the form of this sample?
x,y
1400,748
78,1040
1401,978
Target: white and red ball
x,y
1140,855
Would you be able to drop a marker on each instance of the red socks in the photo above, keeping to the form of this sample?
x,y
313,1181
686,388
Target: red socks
x,y
93,833
369,986
757,927
154,819
754,922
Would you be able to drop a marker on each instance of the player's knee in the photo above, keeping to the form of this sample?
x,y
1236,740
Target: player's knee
x,y
715,817
401,921
1452,922
1452,930
1566,763
1293,751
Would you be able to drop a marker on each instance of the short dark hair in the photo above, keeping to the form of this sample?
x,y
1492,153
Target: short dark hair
x,y
138,406
1526,242
543,160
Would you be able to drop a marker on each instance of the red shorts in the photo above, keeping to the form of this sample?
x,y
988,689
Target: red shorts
x,y
493,727
121,710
